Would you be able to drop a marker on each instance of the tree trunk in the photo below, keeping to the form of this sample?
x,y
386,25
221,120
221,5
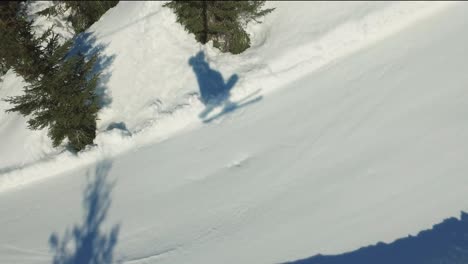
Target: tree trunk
x,y
204,37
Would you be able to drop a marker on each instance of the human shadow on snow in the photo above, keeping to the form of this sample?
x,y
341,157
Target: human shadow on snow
x,y
445,243
87,243
214,91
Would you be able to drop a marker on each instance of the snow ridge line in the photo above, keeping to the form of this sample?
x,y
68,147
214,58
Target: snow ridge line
x,y
109,145
346,39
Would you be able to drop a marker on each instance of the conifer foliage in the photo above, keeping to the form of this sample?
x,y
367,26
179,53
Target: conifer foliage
x,y
220,21
82,13
19,48
60,94
63,99
85,13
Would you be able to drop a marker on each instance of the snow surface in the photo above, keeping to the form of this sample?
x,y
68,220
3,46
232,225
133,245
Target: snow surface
x,y
359,136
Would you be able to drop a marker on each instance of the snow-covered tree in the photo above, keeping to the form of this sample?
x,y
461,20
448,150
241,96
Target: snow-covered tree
x,y
60,94
220,21
85,13
19,48
63,99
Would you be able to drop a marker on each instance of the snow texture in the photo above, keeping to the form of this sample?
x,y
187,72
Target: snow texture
x,y
346,126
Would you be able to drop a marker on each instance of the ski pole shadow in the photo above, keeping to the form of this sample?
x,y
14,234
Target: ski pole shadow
x,y
214,91
446,242
87,243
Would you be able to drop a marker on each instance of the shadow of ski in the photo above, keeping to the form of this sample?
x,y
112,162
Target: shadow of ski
x,y
232,106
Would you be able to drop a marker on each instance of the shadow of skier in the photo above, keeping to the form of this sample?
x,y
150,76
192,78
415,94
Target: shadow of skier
x,y
213,90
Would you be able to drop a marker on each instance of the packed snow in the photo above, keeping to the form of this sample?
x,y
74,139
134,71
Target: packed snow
x,y
347,126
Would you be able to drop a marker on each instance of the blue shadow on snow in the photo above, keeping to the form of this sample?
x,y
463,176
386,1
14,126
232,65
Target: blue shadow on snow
x,y
214,91
445,243
87,44
87,243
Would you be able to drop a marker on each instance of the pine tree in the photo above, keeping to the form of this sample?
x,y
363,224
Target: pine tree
x,y
13,31
220,21
19,48
62,99
60,94
85,13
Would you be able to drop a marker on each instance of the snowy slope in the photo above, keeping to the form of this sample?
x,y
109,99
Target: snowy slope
x,y
364,142
151,90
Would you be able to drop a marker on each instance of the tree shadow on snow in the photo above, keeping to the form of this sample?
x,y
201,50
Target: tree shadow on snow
x,y
87,45
214,91
86,243
445,243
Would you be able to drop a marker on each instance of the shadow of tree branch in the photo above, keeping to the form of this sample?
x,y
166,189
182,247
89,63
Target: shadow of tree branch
x,y
86,44
87,243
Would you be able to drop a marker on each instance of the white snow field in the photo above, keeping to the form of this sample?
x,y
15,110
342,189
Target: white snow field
x,y
358,134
